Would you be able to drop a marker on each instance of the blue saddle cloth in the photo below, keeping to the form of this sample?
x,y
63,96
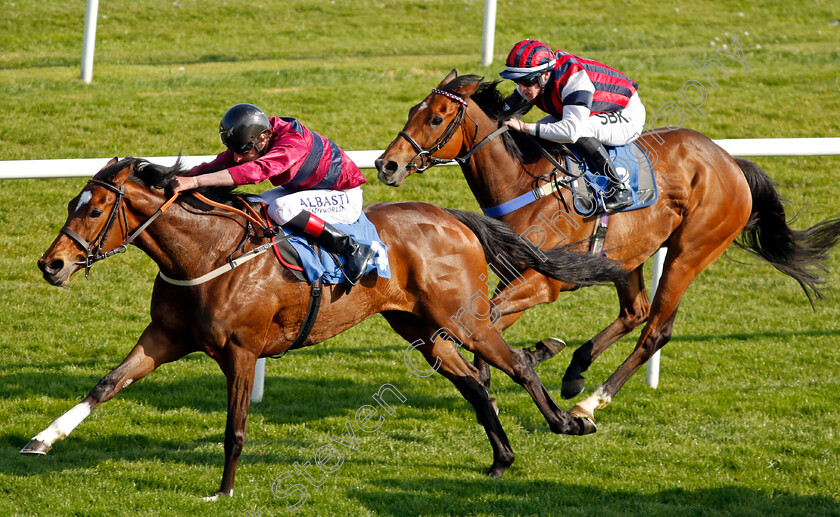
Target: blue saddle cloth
x,y
315,267
589,197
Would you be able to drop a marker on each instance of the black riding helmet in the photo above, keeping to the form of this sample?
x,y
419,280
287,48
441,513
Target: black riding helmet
x,y
241,125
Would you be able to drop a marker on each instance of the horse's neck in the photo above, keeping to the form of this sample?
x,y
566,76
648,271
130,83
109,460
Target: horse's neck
x,y
493,175
185,242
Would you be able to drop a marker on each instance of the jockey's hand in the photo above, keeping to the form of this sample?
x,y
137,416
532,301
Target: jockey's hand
x,y
183,183
517,125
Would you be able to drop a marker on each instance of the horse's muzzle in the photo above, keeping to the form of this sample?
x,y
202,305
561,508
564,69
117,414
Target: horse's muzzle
x,y
390,172
55,271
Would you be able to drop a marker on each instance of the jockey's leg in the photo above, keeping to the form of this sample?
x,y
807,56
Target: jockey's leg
x,y
311,212
622,128
619,195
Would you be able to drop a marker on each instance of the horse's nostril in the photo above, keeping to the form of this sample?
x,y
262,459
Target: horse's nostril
x,y
51,267
389,167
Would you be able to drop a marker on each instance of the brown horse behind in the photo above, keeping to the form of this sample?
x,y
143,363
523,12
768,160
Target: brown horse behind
x,y
437,260
707,198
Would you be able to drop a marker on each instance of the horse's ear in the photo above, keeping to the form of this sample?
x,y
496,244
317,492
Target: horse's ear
x,y
469,89
112,161
452,75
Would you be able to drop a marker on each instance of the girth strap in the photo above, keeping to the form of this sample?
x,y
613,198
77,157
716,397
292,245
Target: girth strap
x,y
315,291
599,236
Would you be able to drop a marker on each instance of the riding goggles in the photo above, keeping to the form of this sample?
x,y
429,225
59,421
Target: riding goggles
x,y
233,145
528,81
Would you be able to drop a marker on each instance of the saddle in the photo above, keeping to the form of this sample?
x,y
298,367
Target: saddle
x,y
286,254
589,188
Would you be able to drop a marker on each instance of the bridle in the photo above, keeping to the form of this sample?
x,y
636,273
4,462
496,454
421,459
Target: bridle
x,y
425,155
93,251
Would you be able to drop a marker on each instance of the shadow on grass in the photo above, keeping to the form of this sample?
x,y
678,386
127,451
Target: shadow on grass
x,y
444,497
677,337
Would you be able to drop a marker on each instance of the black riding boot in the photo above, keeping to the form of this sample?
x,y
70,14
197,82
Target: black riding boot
x,y
356,256
619,196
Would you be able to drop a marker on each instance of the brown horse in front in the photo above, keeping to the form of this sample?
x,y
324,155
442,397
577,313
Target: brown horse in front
x,y
437,261
706,199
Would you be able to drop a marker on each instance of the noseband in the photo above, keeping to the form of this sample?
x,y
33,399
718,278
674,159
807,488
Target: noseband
x,y
425,155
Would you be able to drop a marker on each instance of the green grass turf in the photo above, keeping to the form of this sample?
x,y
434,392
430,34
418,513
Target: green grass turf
x,y
745,420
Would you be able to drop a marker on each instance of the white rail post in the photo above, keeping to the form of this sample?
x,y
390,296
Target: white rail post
x,y
489,33
652,371
259,381
89,39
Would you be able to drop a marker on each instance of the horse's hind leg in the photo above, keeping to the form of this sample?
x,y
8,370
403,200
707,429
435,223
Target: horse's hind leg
x,y
682,264
486,341
512,298
633,311
152,349
444,358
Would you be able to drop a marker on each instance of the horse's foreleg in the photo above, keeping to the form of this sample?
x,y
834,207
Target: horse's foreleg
x,y
152,349
633,311
238,367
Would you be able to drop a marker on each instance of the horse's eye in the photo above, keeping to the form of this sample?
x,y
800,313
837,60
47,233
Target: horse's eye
x,y
436,120
95,213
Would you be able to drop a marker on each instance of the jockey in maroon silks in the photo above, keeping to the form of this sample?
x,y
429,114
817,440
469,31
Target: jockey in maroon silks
x,y
317,183
588,103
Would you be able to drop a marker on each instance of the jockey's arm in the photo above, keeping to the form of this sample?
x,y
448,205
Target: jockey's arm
x,y
220,178
568,129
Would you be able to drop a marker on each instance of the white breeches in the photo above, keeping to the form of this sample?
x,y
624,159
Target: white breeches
x,y
333,206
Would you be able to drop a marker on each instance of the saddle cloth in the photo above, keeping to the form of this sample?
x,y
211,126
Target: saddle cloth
x,y
589,190
324,266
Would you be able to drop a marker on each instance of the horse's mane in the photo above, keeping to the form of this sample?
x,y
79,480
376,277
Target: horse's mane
x,y
153,175
492,103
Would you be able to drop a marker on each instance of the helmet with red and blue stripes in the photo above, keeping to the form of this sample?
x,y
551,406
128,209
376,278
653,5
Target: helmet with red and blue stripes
x,y
528,58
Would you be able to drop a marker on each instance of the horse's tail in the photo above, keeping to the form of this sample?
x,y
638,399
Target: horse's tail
x,y
503,245
798,254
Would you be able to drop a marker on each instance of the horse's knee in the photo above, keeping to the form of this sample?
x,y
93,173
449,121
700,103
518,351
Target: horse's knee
x,y
634,318
523,369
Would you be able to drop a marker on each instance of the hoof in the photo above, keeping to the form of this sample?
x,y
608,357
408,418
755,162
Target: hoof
x,y
572,388
587,426
36,447
216,497
496,472
500,466
544,350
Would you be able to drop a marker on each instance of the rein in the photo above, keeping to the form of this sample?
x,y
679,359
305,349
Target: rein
x,y
93,251
254,216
